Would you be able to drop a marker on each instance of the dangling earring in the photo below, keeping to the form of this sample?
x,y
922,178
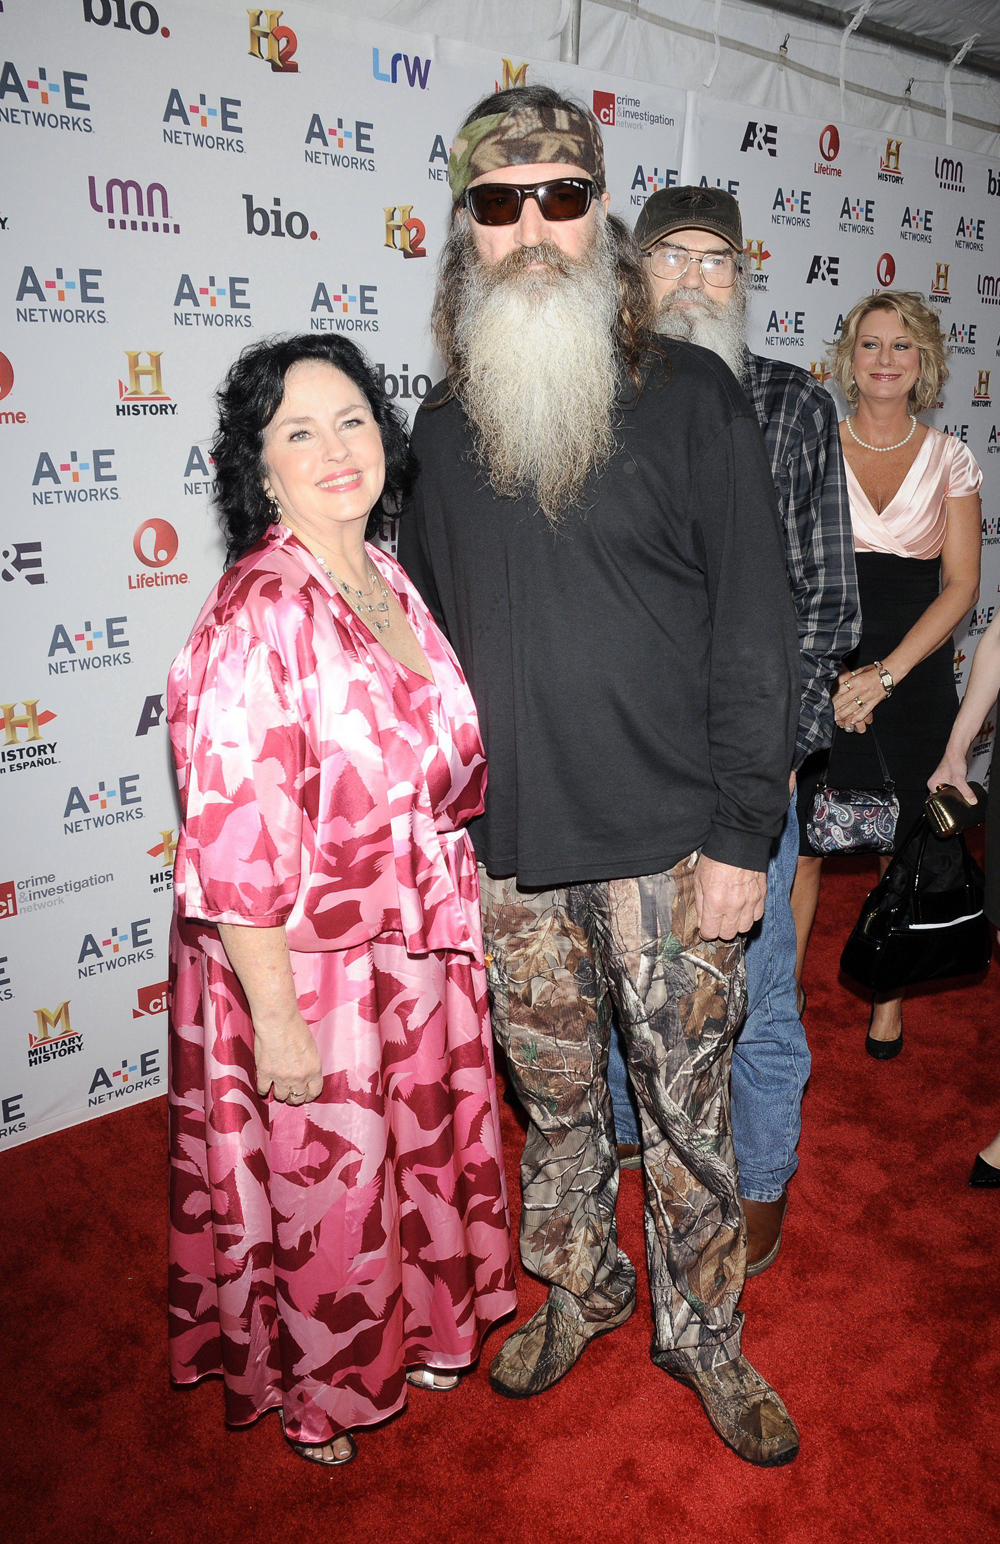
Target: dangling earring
x,y
275,507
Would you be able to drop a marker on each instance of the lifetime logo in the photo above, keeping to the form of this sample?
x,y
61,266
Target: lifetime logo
x,y
885,270
272,43
151,211
155,545
417,70
137,17
829,149
25,561
403,231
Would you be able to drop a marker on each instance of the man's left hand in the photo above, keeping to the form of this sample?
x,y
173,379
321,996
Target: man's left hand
x,y
729,900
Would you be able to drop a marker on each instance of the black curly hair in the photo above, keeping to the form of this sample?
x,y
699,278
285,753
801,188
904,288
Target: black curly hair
x,y
248,399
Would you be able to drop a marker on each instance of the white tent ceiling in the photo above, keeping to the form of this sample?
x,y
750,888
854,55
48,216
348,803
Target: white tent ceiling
x,y
943,26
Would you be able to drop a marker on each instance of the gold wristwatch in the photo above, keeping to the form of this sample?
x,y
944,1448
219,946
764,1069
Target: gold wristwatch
x,y
885,677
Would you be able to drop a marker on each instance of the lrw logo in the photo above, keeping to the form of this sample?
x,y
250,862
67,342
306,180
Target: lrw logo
x,y
417,70
67,479
127,944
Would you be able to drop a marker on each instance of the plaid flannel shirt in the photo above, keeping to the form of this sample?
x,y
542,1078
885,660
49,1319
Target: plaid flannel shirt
x,y
799,423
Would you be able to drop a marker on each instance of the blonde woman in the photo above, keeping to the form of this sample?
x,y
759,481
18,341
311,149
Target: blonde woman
x,y
915,513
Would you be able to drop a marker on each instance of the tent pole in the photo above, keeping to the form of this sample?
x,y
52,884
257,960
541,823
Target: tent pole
x,y
569,38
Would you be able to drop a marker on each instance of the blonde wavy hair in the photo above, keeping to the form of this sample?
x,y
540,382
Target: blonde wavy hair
x,y
919,321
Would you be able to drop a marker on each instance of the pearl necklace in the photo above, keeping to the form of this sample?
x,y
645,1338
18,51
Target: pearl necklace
x,y
880,448
374,614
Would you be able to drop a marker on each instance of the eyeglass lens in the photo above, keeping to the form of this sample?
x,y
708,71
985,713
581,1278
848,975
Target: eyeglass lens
x,y
717,268
500,203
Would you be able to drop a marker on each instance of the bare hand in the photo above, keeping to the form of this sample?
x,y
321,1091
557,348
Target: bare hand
x,y
288,1062
858,693
729,900
954,769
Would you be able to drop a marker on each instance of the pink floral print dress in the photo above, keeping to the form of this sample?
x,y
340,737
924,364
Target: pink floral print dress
x,y
317,1251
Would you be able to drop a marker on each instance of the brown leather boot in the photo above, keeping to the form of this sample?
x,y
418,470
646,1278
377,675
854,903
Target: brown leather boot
x,y
764,1220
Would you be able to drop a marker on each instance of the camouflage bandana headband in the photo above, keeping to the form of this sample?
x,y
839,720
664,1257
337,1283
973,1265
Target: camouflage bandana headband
x,y
526,136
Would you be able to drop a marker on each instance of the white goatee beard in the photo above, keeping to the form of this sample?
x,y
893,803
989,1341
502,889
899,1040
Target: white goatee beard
x,y
699,319
540,372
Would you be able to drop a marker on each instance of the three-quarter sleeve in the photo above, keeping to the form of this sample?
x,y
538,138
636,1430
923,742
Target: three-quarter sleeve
x,y
240,752
965,476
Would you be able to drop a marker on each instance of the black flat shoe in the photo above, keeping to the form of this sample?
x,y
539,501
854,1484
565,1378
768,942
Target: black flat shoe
x,y
984,1174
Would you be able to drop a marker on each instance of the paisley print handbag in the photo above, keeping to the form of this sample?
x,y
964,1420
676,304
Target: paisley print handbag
x,y
847,820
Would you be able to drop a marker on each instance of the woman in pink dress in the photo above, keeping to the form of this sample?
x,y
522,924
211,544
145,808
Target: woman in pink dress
x,y
916,515
339,1222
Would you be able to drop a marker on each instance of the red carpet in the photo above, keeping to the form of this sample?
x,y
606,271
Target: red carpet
x,y
879,1324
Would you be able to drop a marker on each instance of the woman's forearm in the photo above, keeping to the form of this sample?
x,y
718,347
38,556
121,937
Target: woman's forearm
x,y
981,691
932,628
259,956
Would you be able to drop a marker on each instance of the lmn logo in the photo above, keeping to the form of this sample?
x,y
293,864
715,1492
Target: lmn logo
x,y
272,43
403,231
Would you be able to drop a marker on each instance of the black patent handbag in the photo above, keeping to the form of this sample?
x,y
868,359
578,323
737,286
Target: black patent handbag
x,y
924,920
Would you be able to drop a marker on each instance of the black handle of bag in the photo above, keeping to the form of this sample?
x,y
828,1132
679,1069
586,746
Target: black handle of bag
x,y
888,782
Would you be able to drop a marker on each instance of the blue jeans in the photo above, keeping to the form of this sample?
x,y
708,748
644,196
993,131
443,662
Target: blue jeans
x,y
770,1058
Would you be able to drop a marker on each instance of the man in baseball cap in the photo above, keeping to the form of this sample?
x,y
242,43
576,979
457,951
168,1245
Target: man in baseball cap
x,y
692,241
594,526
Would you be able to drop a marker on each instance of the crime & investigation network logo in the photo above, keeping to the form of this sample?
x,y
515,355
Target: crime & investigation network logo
x,y
25,747
53,1037
60,296
611,108
207,123
74,477
134,398
151,1000
91,648
44,99
404,231
112,803
128,206
155,544
271,42
343,144
212,302
41,892
344,307
127,1078
829,149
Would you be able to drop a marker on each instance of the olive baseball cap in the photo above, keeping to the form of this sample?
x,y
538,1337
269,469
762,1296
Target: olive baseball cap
x,y
679,209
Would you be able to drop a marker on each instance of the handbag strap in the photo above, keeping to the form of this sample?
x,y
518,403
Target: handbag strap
x,y
886,779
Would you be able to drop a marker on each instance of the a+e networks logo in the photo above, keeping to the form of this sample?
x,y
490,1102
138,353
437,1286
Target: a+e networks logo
x,y
344,308
56,100
60,295
216,303
344,148
77,477
208,125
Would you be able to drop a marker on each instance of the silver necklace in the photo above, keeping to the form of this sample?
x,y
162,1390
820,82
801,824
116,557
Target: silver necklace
x,y
880,448
374,613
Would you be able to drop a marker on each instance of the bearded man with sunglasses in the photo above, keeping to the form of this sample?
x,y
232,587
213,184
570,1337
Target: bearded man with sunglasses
x,y
692,240
594,525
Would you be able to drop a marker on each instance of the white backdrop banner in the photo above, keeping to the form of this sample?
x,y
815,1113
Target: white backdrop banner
x,y
181,179
187,178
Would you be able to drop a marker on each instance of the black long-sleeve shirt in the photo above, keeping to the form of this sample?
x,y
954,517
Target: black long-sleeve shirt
x,y
636,671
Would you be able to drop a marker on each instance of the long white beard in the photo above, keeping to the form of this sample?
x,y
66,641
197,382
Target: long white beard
x,y
539,372
700,319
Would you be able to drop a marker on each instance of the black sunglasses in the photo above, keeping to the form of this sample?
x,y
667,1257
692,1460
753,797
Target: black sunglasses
x,y
500,203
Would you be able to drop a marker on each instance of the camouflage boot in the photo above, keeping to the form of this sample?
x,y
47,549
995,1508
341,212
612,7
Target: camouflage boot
x,y
542,1351
745,1411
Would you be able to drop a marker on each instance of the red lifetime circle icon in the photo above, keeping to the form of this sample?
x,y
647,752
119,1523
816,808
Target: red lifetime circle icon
x,y
155,543
885,270
829,142
6,377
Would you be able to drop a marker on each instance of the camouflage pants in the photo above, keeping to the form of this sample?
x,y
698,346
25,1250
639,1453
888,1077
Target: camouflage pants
x,y
557,960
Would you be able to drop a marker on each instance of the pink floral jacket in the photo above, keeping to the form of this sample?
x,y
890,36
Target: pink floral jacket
x,y
303,784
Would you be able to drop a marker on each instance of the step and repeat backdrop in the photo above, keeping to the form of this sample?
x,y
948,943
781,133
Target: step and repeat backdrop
x,y
184,177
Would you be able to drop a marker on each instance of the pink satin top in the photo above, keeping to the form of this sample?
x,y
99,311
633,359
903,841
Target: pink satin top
x,y
913,523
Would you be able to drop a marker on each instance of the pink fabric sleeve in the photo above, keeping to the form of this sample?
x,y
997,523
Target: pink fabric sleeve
x,y
241,753
965,476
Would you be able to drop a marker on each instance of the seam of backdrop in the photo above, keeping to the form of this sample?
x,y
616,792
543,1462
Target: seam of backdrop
x,y
182,189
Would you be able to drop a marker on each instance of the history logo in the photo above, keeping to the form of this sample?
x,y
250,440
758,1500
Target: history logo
x,y
939,291
128,206
981,396
208,123
271,42
344,144
756,255
25,745
404,232
344,308
134,397
161,879
44,99
60,295
53,1036
74,477
212,302
155,544
75,649
889,163
819,371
